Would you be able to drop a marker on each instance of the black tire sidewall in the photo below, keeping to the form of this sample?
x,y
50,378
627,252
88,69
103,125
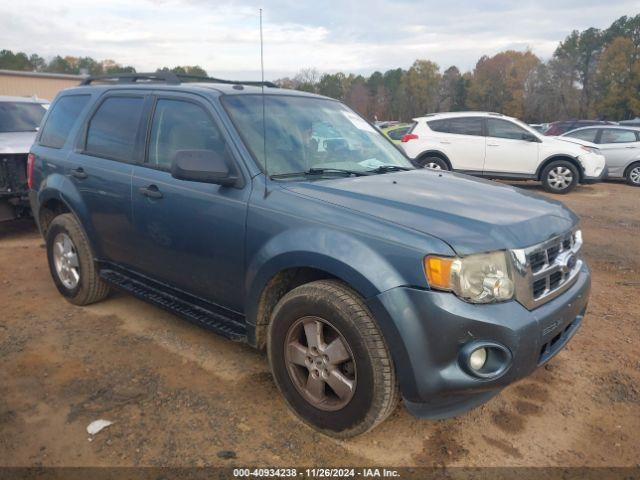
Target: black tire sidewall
x,y
433,159
560,163
628,175
53,231
357,409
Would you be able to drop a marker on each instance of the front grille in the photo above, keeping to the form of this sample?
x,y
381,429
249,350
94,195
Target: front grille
x,y
547,269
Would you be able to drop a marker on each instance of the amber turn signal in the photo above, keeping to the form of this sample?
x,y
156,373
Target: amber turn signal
x,y
438,270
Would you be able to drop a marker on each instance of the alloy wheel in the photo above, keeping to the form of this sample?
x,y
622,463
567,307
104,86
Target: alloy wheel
x,y
560,177
320,363
634,175
65,260
433,166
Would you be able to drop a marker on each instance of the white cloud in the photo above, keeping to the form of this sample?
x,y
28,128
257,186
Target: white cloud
x,y
358,36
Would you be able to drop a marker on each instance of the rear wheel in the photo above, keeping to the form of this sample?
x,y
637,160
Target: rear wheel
x,y
560,177
330,360
434,163
71,262
633,174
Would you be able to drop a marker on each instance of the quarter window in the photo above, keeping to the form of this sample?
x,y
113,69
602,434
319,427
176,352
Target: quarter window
x,y
113,129
614,135
179,125
61,120
588,135
504,129
459,126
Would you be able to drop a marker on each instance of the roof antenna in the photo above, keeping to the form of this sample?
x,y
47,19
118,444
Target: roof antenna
x,y
264,126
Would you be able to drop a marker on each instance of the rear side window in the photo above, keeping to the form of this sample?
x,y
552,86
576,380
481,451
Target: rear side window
x,y
61,119
459,126
589,134
179,125
113,129
398,133
613,135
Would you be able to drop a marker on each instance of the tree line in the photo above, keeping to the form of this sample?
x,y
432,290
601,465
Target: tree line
x,y
592,74
80,65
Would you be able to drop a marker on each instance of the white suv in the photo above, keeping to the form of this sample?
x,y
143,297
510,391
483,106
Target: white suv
x,y
495,146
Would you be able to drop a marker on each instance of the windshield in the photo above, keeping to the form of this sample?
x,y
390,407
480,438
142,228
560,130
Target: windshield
x,y
20,116
310,134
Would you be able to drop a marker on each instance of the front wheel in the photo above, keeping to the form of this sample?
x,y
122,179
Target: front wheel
x,y
330,360
633,175
560,177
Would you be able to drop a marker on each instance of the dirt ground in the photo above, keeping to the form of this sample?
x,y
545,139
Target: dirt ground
x,y
182,396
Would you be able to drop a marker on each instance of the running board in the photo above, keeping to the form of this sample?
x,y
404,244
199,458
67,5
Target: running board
x,y
208,319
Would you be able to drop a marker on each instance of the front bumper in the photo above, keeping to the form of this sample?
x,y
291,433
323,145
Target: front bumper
x,y
593,167
427,329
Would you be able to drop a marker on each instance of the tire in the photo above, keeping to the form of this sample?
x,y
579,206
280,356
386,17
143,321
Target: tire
x,y
432,162
71,262
344,319
633,174
560,177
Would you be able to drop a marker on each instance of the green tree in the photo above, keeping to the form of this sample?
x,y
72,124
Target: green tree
x,y
619,80
330,85
422,85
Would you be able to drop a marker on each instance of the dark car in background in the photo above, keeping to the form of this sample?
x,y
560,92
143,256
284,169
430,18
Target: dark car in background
x,y
558,128
20,118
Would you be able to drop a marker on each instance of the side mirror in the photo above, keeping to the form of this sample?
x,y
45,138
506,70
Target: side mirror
x,y
206,166
529,137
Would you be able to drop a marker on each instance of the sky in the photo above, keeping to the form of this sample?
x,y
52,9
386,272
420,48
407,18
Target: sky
x,y
358,36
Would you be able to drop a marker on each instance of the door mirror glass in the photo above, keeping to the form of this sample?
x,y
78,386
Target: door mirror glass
x,y
205,166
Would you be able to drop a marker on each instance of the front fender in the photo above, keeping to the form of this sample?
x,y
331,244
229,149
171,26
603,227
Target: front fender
x,y
337,253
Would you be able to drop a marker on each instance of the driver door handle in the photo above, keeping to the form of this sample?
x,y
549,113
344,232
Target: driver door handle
x,y
79,173
151,191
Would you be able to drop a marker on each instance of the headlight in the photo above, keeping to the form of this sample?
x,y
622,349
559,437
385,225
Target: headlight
x,y
590,149
480,278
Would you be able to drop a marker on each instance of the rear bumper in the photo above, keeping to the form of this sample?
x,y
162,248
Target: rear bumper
x,y
428,329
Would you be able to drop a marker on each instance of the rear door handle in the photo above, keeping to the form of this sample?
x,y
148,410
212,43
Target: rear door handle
x,y
631,146
79,173
151,191
445,142
493,144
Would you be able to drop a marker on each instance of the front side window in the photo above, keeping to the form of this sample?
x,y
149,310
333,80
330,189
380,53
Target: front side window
x,y
61,119
503,129
304,133
614,135
20,116
179,125
588,134
113,128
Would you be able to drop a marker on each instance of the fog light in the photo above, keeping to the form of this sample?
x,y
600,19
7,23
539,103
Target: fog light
x,y
478,358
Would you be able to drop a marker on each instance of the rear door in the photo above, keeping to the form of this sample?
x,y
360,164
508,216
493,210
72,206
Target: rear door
x,y
101,169
461,138
189,235
508,150
620,147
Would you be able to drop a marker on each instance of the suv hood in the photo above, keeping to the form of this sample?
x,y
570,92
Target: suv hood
x,y
470,214
16,142
569,141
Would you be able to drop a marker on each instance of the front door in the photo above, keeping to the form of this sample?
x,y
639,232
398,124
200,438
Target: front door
x,y
189,235
508,150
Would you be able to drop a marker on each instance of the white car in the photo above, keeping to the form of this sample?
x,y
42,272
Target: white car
x,y
496,146
619,145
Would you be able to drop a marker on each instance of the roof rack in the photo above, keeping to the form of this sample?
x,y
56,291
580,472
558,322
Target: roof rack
x,y
166,77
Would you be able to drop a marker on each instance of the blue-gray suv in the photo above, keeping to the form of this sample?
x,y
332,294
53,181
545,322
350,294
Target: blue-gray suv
x,y
285,220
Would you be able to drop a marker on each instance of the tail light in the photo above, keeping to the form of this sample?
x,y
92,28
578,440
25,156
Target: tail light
x,y
408,136
31,160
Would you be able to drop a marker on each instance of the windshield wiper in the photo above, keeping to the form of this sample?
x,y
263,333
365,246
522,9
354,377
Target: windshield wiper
x,y
389,168
321,171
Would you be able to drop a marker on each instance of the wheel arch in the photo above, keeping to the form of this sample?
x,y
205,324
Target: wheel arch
x,y
636,161
554,158
434,153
